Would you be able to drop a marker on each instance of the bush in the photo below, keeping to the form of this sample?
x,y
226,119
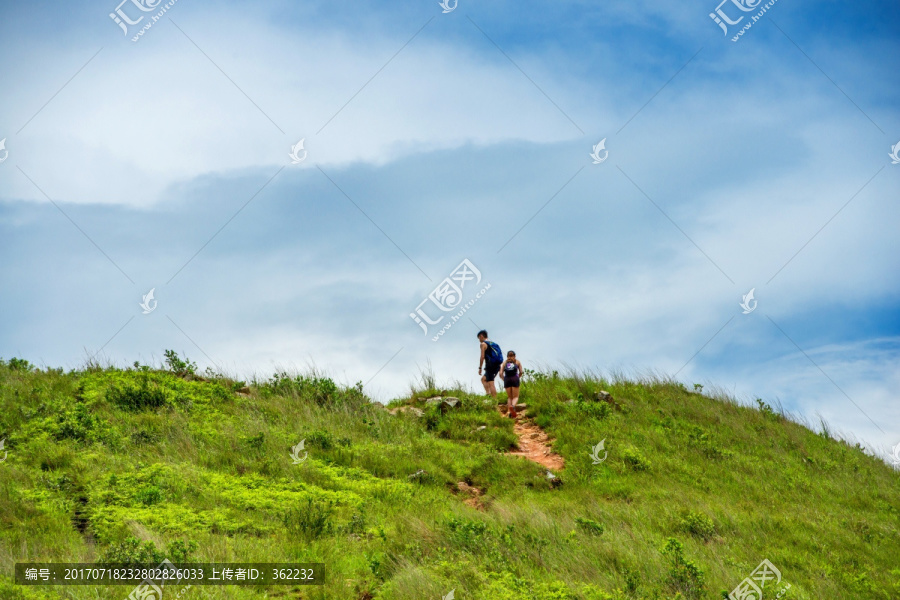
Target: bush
x,y
132,551
595,410
76,424
635,460
177,366
684,576
18,364
137,398
312,521
588,526
698,524
321,439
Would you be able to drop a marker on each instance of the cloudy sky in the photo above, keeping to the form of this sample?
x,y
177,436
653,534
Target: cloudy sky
x,y
433,137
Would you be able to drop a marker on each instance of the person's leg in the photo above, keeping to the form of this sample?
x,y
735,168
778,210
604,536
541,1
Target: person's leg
x,y
484,382
515,395
492,389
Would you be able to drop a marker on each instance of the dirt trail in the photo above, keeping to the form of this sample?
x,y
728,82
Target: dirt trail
x,y
534,444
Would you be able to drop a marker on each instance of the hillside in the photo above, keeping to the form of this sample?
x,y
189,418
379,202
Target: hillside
x,y
688,495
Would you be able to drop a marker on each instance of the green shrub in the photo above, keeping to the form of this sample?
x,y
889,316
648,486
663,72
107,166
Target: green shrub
x,y
148,495
18,364
321,439
132,551
312,521
77,424
141,397
698,524
588,526
594,410
177,366
685,576
635,460
467,531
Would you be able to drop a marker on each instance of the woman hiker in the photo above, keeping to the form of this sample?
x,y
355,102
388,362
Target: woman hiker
x,y
512,370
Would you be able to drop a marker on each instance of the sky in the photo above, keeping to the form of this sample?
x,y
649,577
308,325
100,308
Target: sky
x,y
612,177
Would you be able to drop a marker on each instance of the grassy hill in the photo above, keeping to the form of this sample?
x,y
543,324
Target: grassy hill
x,y
695,491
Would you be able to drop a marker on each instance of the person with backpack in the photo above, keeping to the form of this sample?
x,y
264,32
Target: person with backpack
x,y
491,358
512,372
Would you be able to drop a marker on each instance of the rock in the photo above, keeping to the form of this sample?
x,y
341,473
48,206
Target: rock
x,y
550,476
482,428
418,412
434,401
604,396
244,390
418,474
449,404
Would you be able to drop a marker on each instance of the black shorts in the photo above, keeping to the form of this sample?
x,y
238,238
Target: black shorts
x,y
510,382
491,370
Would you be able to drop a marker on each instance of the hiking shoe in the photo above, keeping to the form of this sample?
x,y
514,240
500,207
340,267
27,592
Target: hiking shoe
x,y
512,413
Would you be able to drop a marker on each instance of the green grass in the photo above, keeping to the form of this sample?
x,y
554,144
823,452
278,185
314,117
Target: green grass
x,y
142,464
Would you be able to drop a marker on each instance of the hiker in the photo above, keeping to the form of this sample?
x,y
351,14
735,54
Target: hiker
x,y
491,357
512,370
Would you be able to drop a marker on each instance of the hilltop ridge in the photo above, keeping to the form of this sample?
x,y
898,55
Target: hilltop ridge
x,y
687,495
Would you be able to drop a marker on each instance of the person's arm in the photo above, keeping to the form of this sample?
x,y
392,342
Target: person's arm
x,y
481,360
521,368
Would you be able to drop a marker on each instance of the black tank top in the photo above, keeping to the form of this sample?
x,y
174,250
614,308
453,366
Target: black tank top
x,y
511,371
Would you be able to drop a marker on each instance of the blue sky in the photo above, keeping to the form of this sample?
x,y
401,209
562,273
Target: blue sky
x,y
433,138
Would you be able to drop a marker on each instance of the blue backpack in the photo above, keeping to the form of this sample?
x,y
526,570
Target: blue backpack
x,y
493,354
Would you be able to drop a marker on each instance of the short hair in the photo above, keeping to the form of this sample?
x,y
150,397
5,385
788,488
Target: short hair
x,y
483,332
513,352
